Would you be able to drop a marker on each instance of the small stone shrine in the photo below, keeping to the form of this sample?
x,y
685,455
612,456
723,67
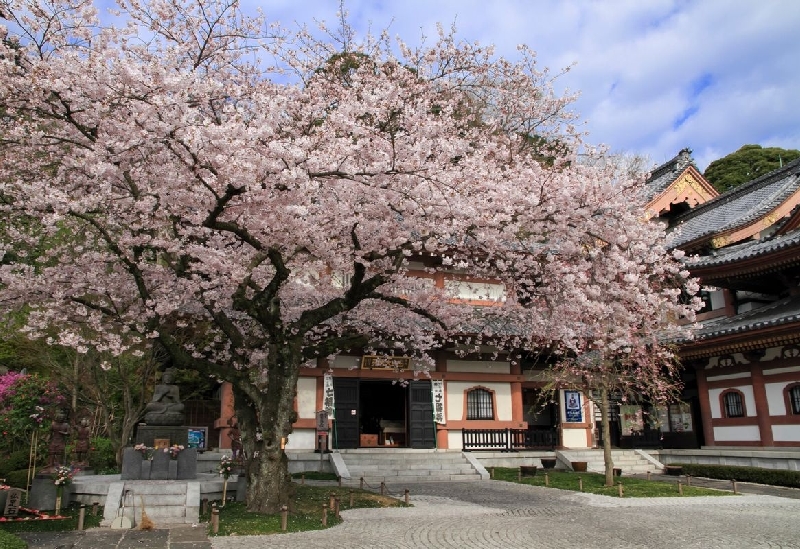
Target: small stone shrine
x,y
163,416
161,451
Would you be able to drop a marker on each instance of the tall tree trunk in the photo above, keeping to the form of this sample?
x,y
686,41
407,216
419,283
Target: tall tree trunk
x,y
605,423
265,416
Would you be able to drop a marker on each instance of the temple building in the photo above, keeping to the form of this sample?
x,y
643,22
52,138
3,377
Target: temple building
x,y
741,372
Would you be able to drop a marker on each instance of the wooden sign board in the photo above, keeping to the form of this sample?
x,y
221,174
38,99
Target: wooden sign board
x,y
160,443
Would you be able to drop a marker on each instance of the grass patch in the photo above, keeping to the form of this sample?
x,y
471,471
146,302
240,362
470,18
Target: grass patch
x,y
56,525
315,475
594,483
306,513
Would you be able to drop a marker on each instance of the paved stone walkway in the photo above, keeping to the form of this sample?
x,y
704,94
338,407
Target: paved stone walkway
x,y
177,537
499,515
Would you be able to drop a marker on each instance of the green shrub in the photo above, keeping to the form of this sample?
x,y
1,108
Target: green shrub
x,y
17,479
102,458
10,541
774,477
14,462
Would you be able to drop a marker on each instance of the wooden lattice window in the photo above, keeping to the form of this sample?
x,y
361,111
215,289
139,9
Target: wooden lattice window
x,y
733,403
480,404
793,392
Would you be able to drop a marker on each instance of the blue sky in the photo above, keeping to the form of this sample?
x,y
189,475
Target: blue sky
x,y
654,76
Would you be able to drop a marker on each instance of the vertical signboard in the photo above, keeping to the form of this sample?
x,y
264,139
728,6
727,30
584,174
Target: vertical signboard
x,y
572,407
328,403
437,395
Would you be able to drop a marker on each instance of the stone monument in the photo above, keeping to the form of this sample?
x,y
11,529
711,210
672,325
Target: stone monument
x,y
166,407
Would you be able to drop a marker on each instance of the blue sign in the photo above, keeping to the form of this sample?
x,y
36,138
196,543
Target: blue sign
x,y
572,406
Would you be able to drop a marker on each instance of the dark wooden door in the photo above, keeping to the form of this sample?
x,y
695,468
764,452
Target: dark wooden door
x,y
345,428
421,429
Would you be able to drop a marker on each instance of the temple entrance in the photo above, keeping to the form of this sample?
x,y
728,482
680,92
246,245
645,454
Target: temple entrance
x,y
383,415
372,413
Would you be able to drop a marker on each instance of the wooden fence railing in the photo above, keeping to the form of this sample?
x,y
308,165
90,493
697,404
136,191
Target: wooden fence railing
x,y
508,440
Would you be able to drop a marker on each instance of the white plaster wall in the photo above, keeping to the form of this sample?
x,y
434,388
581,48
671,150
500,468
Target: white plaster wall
x,y
717,299
479,366
788,369
302,439
736,434
454,440
574,438
307,397
775,401
749,400
740,375
456,409
786,433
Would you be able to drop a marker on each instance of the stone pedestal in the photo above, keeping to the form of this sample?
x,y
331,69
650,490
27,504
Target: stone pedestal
x,y
241,487
187,464
43,494
159,468
132,465
147,434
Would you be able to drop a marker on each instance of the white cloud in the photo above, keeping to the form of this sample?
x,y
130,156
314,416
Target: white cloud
x,y
639,64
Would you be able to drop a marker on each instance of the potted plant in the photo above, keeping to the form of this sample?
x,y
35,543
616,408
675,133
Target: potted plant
x,y
579,466
548,463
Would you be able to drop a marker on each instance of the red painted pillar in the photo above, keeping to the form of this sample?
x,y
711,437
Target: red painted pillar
x,y
705,406
226,412
762,406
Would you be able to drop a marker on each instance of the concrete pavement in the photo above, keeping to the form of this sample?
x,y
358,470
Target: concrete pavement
x,y
492,514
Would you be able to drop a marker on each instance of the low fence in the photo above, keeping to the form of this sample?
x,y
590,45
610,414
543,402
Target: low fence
x,y
508,440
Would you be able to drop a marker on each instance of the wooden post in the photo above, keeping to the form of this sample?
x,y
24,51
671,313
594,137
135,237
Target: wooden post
x,y
284,518
340,481
406,496
324,515
330,500
580,484
621,491
303,476
361,483
214,518
648,473
95,505
351,498
81,516
733,484
688,480
519,474
680,487
336,507
547,479
224,490
204,505
383,488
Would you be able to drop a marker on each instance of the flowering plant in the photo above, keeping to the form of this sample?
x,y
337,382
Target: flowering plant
x,y
147,451
174,450
225,466
63,476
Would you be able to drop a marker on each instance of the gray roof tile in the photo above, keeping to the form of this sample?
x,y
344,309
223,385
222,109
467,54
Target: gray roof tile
x,y
747,250
783,311
738,206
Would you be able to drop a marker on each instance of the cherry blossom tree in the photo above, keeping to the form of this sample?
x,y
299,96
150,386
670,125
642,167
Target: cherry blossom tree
x,y
251,199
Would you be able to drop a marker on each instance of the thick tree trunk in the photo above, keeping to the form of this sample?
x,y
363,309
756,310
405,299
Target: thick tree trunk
x,y
266,414
605,423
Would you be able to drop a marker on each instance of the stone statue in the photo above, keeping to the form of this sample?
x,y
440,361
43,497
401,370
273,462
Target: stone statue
x,y
59,431
82,443
166,407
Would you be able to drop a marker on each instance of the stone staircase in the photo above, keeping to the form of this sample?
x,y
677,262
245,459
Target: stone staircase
x,y
166,502
396,466
630,461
